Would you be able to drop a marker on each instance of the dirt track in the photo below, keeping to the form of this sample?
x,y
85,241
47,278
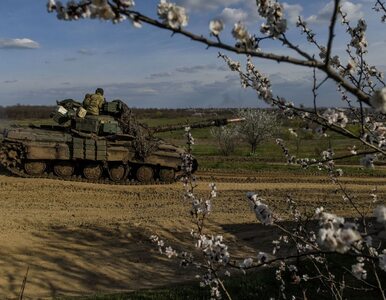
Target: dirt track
x,y
80,238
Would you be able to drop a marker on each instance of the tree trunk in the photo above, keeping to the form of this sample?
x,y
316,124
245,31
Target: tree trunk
x,y
253,148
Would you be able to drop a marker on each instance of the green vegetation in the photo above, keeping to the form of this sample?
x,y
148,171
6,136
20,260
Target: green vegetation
x,y
268,156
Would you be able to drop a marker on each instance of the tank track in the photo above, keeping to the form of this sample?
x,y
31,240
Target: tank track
x,y
14,165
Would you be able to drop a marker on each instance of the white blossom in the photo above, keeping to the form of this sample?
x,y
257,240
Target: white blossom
x,y
358,39
328,154
215,292
323,52
100,9
382,260
335,234
172,15
351,67
232,64
51,5
127,3
246,263
216,26
335,117
273,12
214,249
378,100
261,210
240,33
335,61
260,83
353,150
374,197
373,71
170,252
213,190
292,268
380,213
368,161
358,271
292,132
187,163
376,134
319,210
305,277
188,134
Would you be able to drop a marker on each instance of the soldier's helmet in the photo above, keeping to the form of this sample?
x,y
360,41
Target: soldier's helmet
x,y
99,91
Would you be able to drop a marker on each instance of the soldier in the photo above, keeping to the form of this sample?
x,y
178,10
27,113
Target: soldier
x,y
93,103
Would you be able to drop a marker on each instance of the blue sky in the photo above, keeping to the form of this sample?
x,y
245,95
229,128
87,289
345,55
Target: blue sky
x,y
43,59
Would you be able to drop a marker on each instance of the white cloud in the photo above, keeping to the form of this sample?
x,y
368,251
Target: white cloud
x,y
292,12
18,44
233,15
354,12
145,91
246,10
324,14
205,5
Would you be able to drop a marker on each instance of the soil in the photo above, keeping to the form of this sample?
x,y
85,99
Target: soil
x,y
80,239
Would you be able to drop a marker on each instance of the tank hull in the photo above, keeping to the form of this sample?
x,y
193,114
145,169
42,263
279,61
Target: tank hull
x,y
57,152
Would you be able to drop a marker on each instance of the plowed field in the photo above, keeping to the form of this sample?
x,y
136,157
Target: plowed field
x,y
79,238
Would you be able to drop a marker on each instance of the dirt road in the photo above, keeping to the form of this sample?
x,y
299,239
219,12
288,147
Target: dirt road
x,y
80,238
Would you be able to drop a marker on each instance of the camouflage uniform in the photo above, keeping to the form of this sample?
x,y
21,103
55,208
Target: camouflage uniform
x,y
93,103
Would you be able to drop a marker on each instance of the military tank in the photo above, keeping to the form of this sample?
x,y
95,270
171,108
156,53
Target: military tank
x,y
111,147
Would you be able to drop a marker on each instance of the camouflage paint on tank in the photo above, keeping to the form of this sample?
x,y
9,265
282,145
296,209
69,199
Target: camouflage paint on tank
x,y
111,144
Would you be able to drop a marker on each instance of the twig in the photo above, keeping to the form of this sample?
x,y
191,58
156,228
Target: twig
x,y
21,293
381,291
331,30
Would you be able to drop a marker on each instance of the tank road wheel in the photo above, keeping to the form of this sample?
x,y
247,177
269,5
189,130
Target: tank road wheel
x,y
64,169
117,172
166,175
145,174
92,171
35,167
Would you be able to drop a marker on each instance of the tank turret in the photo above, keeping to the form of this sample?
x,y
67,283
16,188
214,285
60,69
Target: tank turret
x,y
112,146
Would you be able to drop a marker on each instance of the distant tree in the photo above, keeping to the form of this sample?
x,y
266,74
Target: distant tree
x,y
259,125
226,138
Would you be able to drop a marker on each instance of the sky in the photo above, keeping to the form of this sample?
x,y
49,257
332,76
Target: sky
x,y
43,60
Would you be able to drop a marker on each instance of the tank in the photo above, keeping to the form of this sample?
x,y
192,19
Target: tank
x,y
111,147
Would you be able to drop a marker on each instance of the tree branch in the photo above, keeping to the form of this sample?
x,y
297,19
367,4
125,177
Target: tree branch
x,y
331,30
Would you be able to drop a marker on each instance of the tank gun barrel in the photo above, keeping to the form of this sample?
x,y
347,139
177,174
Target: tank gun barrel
x,y
204,124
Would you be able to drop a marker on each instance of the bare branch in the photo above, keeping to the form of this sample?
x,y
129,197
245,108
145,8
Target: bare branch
x,y
331,30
